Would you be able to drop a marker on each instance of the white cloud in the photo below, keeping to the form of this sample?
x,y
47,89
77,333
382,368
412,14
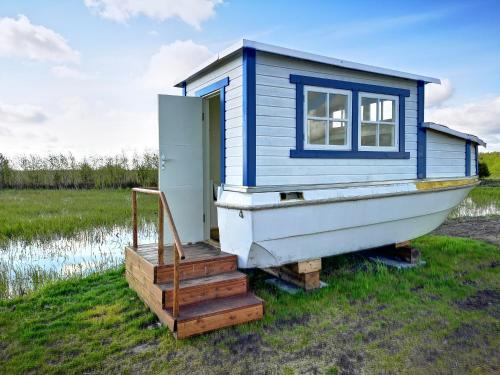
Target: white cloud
x,y
21,114
481,118
193,12
63,71
20,38
436,94
172,61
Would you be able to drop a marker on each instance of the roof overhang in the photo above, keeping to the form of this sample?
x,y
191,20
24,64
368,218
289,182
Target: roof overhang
x,y
304,56
455,133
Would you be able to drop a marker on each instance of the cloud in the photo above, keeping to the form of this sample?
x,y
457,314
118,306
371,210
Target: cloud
x,y
21,114
172,61
63,71
481,118
20,38
193,12
436,94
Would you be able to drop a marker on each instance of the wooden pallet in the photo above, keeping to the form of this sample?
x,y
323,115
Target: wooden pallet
x,y
212,292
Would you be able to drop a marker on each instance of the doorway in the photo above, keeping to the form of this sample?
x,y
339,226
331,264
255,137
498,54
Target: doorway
x,y
212,163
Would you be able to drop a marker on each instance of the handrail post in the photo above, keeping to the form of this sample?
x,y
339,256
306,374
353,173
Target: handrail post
x,y
161,246
175,309
134,219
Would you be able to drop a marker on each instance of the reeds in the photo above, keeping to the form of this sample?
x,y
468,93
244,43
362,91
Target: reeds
x,y
64,171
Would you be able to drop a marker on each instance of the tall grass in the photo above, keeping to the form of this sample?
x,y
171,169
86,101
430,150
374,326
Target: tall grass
x,y
64,171
492,160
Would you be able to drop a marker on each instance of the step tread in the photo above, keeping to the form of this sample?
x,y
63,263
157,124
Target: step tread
x,y
204,280
217,306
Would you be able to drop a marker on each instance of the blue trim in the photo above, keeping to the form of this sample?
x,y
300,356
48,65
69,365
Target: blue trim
x,y
467,158
221,87
421,132
213,87
343,85
184,88
354,121
476,153
330,154
249,117
355,88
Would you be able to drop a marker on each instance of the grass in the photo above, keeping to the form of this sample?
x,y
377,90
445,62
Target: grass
x,y
492,159
485,195
439,318
43,214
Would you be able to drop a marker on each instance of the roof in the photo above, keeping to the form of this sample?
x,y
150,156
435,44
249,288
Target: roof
x,y
304,56
455,133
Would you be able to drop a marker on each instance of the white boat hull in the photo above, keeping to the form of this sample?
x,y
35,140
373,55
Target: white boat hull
x,y
272,234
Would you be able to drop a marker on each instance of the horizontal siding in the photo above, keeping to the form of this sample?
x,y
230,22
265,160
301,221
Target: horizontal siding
x,y
276,123
234,113
445,156
472,160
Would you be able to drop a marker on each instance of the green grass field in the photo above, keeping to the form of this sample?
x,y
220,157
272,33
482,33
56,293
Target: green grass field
x,y
43,214
439,318
492,159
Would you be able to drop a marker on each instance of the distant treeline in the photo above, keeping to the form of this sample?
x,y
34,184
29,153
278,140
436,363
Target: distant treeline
x,y
64,171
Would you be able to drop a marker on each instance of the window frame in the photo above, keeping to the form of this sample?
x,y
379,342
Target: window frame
x,y
310,146
378,122
299,81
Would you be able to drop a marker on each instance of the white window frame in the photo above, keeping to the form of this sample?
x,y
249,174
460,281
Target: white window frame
x,y
348,93
396,124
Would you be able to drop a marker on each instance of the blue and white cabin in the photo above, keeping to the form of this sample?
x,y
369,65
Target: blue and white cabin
x,y
287,156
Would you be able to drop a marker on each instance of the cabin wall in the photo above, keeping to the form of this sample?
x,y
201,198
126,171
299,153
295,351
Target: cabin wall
x,y
473,171
446,156
233,69
275,128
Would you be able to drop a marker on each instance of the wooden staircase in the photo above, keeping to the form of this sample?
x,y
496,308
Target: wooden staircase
x,y
212,293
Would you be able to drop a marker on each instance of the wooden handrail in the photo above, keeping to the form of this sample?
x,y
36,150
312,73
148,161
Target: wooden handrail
x,y
178,251
171,224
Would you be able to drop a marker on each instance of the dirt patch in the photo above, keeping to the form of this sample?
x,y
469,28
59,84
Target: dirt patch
x,y
483,300
484,228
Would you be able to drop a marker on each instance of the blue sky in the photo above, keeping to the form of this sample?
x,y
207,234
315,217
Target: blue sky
x,y
82,75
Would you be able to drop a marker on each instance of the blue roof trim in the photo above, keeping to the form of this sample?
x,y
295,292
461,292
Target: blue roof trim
x,y
344,85
221,87
249,118
184,88
355,88
467,157
213,87
331,154
421,132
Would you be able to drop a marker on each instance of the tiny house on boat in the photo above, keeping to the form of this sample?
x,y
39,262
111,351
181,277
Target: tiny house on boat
x,y
274,157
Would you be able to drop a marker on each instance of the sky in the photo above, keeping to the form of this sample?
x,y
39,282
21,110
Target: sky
x,y
82,76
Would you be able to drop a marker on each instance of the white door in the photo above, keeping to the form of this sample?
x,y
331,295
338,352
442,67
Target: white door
x,y
181,164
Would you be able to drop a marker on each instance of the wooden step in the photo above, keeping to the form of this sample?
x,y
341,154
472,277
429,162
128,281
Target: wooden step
x,y
205,288
198,267
218,313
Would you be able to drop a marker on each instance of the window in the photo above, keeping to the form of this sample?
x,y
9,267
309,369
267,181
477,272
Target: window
x,y
327,122
378,118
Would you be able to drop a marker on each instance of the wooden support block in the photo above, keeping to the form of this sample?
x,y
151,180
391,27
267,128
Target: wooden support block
x,y
402,250
307,280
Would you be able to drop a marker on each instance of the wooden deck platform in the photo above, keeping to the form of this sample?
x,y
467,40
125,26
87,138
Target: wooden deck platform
x,y
212,292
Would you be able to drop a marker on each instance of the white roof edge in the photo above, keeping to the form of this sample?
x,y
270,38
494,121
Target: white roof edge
x,y
305,56
444,129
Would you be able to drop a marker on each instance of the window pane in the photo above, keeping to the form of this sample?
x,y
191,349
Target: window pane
x,y
388,110
316,104
337,134
368,134
316,132
369,109
386,135
338,106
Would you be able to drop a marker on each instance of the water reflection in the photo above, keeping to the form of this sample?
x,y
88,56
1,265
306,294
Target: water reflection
x,y
469,208
27,266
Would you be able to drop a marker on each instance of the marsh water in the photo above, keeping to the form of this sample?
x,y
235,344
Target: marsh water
x,y
27,266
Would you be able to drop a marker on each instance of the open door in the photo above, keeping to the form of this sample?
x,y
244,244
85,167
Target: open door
x,y
181,163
